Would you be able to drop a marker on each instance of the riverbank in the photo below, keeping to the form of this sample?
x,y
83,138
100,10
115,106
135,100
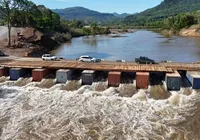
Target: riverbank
x,y
192,31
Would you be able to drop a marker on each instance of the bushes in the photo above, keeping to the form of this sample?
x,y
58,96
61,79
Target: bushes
x,y
62,37
180,21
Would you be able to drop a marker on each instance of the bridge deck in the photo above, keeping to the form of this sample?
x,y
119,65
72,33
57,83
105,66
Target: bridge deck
x,y
103,66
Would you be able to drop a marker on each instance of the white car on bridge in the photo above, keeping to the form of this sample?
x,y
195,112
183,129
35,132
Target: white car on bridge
x,y
48,57
86,58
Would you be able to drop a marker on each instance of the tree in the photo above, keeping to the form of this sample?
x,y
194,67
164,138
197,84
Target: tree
x,y
86,31
55,21
27,15
49,19
8,10
93,27
64,26
76,24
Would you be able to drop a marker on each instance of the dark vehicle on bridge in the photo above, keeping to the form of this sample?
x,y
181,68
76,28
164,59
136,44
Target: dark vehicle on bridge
x,y
144,60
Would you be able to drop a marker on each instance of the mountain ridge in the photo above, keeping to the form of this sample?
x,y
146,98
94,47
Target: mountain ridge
x,y
82,13
165,9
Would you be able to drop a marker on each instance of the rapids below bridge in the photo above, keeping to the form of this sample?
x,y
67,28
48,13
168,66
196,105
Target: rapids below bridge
x,y
65,103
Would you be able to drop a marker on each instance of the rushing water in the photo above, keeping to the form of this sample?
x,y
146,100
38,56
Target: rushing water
x,y
30,111
129,46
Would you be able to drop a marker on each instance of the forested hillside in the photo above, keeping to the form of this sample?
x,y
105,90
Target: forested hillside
x,y
80,13
166,9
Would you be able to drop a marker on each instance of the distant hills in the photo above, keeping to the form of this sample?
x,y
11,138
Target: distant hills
x,y
165,9
81,13
123,15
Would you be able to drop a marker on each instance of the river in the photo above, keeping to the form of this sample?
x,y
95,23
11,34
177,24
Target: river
x,y
49,111
131,45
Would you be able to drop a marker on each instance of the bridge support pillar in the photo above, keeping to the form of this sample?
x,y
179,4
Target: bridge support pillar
x,y
63,75
114,78
142,80
16,73
194,78
88,77
39,74
4,71
173,81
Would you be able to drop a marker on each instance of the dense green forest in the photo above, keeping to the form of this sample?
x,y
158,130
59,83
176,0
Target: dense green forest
x,y
166,9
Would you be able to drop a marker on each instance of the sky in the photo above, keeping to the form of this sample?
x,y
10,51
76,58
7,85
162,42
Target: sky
x,y
105,6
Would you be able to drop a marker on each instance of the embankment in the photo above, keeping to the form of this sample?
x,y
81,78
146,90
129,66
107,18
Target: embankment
x,y
25,41
193,31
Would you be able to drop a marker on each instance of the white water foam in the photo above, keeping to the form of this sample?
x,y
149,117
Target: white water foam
x,y
31,112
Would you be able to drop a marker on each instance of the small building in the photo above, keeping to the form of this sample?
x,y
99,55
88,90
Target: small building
x,y
173,81
194,78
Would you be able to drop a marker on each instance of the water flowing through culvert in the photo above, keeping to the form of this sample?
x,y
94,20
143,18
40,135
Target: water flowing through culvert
x,y
46,83
96,112
3,79
72,85
99,86
23,81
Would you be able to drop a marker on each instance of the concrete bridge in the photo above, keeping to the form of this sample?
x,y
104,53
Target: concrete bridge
x,y
115,71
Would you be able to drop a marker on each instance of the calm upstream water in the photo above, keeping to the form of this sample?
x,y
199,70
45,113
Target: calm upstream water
x,y
129,46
